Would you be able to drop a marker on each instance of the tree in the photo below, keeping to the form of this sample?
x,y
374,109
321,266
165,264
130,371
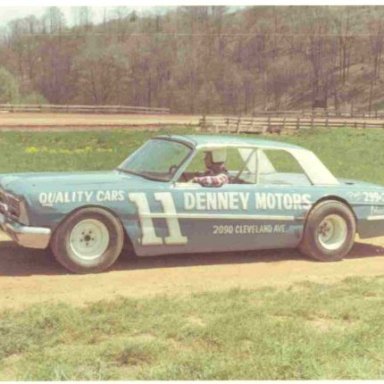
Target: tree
x,y
82,16
102,76
9,87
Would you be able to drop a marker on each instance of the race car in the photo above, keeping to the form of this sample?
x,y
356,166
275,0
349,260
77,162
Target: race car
x,y
275,195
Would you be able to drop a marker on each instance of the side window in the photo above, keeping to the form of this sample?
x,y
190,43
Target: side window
x,y
197,163
234,161
247,171
280,167
240,164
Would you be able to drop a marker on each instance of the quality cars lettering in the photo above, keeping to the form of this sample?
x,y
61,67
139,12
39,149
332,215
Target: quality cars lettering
x,y
53,198
109,195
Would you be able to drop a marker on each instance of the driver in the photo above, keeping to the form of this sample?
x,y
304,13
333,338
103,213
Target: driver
x,y
216,174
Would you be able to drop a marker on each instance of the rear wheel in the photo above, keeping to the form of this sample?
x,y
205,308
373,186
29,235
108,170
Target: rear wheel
x,y
329,232
89,240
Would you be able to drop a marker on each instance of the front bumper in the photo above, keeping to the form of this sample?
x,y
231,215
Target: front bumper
x,y
29,237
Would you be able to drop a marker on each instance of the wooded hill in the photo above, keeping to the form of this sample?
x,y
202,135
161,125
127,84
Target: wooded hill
x,y
199,59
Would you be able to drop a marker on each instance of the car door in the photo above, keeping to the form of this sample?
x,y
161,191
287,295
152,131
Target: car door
x,y
246,214
239,217
264,206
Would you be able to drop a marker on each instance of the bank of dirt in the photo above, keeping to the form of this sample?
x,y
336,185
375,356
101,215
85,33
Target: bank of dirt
x,y
32,276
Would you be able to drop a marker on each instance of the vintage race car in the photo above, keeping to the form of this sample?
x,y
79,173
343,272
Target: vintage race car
x,y
277,196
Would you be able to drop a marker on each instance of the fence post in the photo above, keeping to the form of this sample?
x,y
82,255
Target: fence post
x,y
269,123
298,123
284,123
238,125
312,121
202,124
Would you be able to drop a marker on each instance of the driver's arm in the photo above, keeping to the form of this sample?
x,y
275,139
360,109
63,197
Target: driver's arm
x,y
212,181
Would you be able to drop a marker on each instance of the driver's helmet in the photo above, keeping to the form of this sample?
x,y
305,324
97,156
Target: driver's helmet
x,y
219,155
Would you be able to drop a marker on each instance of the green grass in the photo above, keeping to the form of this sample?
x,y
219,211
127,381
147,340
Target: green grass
x,y
308,331
69,151
349,153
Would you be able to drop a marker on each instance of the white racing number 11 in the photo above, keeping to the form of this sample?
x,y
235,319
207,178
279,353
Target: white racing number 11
x,y
149,236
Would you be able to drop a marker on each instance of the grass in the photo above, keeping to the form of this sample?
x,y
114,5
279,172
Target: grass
x,y
309,331
349,153
69,151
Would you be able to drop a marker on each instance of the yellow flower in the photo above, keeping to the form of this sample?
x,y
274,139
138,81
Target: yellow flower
x,y
31,150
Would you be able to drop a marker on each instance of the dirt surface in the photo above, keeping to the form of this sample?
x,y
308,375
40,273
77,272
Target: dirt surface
x,y
37,121
32,276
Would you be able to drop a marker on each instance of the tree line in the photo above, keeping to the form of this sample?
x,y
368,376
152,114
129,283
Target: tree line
x,y
198,59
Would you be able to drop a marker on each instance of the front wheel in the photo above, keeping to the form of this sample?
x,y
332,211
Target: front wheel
x,y
89,240
329,232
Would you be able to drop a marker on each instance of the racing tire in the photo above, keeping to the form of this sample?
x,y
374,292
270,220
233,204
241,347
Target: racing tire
x,y
89,240
329,231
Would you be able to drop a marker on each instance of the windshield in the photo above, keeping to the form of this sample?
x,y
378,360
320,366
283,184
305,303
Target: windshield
x,y
157,159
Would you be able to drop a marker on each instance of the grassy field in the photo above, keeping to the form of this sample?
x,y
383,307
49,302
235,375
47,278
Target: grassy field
x,y
309,331
349,153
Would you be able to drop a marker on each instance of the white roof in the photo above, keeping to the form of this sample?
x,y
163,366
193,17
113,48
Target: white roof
x,y
316,171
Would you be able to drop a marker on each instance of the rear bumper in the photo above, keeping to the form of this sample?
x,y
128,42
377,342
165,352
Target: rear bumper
x,y
29,237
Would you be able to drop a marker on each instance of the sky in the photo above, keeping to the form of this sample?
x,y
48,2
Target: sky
x,y
13,9
9,13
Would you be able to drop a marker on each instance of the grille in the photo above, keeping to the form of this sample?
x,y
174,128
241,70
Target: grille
x,y
13,206
9,205
3,205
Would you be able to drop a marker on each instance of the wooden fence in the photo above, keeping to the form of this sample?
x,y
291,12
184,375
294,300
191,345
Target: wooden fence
x,y
374,114
263,124
103,109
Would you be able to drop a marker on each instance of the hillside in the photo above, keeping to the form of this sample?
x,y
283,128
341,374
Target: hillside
x,y
199,59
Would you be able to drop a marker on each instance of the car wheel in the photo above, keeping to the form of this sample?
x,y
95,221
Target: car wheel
x,y
329,232
89,240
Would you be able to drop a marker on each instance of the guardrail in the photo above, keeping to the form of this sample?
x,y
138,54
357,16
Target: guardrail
x,y
103,109
232,124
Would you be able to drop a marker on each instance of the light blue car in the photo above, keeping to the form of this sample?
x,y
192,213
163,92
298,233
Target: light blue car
x,y
278,196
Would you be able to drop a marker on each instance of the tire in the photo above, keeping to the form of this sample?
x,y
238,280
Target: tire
x,y
89,240
329,231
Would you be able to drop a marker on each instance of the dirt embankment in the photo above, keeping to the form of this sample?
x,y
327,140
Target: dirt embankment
x,y
30,276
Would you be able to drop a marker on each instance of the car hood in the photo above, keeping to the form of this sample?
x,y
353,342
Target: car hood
x,y
21,183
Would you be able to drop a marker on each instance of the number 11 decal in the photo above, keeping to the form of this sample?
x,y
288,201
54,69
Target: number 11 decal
x,y
149,236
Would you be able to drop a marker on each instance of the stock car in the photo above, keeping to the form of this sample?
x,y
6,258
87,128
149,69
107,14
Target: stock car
x,y
278,196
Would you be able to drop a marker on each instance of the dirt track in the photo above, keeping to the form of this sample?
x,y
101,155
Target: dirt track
x,y
29,276
63,121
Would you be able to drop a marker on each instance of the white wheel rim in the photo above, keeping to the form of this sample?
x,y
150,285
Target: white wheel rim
x,y
89,239
332,232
